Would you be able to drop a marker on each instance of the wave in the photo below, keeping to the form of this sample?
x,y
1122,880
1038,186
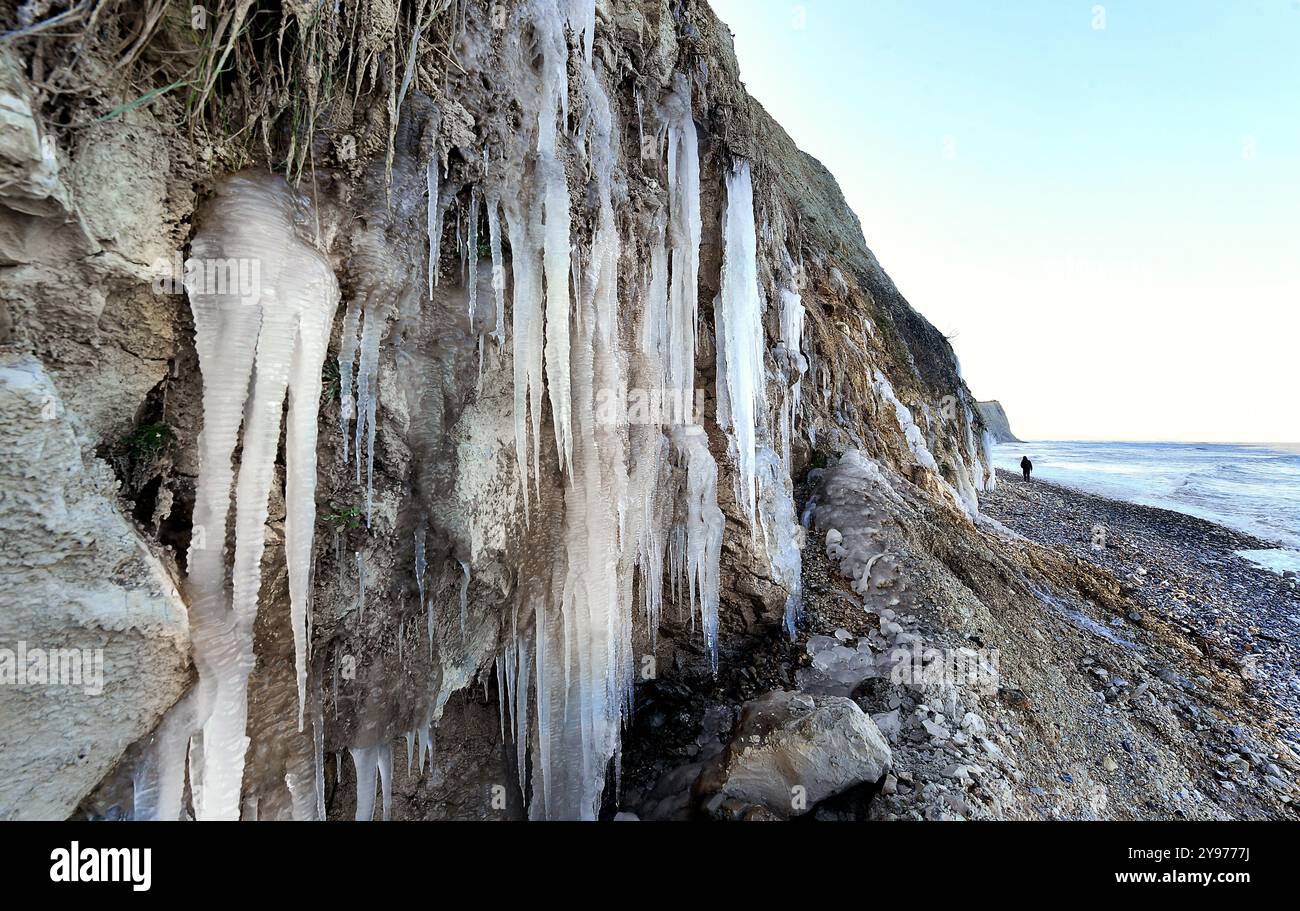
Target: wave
x,y
1255,490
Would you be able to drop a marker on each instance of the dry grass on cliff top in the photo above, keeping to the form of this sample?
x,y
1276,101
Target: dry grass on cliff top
x,y
242,80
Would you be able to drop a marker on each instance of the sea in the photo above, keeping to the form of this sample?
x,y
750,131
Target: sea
x,y
1253,488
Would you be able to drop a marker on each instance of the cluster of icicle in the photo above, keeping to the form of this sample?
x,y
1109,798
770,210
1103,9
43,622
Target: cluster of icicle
x,y
641,511
967,481
640,501
256,346
641,507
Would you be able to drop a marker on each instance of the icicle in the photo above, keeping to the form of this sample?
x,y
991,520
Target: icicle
x,y
498,267
433,221
501,694
366,762
699,547
990,474
367,400
792,316
318,746
361,586
421,564
739,313
523,676
472,281
582,19
782,531
270,339
347,357
584,660
464,596
159,783
425,739
527,339
556,227
684,231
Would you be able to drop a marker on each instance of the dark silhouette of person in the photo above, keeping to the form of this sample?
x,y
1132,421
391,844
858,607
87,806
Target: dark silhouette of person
x,y
1026,466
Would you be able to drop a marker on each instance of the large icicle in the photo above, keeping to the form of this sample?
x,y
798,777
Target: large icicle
x,y
698,535
347,357
433,221
781,530
271,341
739,314
684,230
556,225
526,330
580,711
159,781
368,761
498,269
790,356
623,485
471,283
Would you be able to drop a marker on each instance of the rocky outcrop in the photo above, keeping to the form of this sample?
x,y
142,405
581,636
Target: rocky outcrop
x,y
995,419
790,751
94,643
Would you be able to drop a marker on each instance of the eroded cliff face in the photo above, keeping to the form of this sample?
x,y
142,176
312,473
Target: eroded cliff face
x,y
603,362
995,419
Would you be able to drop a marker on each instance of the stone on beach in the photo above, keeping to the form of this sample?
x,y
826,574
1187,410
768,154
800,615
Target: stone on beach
x,y
790,751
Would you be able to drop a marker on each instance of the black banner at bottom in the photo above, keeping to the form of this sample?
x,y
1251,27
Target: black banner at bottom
x,y
336,860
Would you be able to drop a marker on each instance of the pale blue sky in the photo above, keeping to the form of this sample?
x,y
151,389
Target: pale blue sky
x,y
1107,219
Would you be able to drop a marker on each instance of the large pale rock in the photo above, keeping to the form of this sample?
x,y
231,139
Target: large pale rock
x,y
790,751
29,167
74,577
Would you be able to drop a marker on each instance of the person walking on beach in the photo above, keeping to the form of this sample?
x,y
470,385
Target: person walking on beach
x,y
1026,466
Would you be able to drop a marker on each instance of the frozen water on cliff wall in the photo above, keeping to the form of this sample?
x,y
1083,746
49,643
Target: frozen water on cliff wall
x,y
990,474
640,502
584,655
273,343
915,438
781,530
697,537
794,364
684,231
433,225
556,226
370,762
739,314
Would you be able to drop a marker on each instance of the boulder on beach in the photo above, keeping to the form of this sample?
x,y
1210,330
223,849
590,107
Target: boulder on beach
x,y
788,752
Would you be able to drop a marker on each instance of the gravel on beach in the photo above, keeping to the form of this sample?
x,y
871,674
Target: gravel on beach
x,y
1182,570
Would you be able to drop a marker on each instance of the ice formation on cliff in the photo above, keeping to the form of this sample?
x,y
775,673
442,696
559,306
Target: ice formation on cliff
x,y
555,214
915,438
640,509
628,507
795,365
781,529
684,231
369,762
990,475
272,342
738,313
